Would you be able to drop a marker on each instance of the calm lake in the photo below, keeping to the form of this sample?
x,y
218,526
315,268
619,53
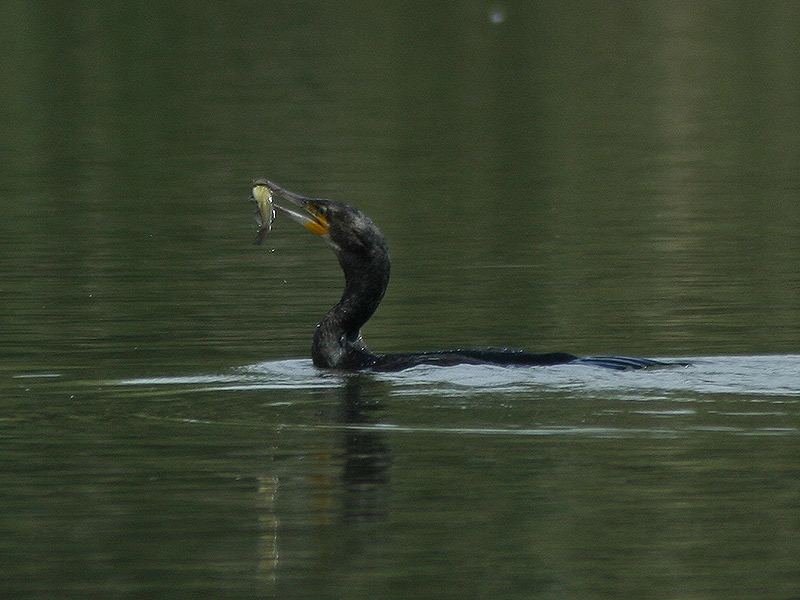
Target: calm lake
x,y
618,178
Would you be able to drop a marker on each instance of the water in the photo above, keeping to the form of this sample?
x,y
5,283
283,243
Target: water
x,y
276,480
545,183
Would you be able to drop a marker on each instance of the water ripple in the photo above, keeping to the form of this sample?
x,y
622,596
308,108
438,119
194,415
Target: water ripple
x,y
776,378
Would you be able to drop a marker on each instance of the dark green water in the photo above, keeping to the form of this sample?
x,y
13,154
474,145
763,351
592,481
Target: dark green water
x,y
599,179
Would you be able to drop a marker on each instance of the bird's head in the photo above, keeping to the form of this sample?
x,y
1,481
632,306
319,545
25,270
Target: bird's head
x,y
346,229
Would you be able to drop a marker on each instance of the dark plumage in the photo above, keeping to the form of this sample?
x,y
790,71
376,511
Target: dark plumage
x,y
364,257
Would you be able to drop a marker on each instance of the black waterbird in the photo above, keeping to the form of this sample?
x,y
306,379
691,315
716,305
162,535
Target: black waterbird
x,y
364,257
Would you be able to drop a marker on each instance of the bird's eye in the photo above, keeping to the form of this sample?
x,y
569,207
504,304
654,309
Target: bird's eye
x,y
322,209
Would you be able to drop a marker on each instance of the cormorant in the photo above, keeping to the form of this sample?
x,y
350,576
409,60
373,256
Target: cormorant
x,y
364,257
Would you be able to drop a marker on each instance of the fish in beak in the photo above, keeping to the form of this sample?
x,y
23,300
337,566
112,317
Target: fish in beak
x,y
309,213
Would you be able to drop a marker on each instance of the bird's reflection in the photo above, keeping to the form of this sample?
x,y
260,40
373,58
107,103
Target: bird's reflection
x,y
349,483
367,457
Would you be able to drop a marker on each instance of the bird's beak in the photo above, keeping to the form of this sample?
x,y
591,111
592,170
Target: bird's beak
x,y
309,217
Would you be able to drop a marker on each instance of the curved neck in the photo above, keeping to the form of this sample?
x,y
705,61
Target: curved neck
x,y
337,340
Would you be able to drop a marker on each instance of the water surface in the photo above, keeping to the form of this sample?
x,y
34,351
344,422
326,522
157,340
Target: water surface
x,y
616,179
